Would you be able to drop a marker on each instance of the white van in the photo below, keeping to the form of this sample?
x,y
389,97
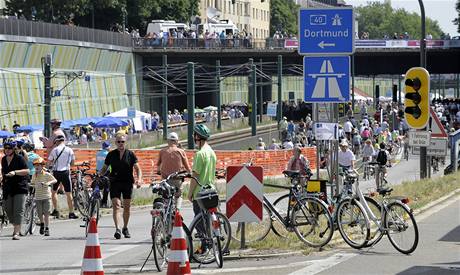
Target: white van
x,y
162,26
224,25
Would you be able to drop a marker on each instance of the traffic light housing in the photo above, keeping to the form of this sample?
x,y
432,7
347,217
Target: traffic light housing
x,y
417,98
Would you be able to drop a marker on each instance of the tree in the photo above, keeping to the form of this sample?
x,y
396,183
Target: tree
x,y
284,16
457,20
380,20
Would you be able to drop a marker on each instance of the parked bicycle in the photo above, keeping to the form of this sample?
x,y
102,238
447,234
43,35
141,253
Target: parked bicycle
x,y
368,170
3,215
30,218
94,203
163,214
79,189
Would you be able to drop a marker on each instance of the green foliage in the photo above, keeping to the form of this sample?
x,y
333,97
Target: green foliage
x,y
107,13
284,16
380,19
457,20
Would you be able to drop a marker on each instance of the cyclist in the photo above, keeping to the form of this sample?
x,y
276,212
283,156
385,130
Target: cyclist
x,y
15,176
368,151
299,163
173,159
60,159
100,158
42,181
382,158
122,163
346,157
204,169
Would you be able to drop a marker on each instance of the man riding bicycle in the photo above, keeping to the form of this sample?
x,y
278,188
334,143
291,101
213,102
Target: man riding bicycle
x,y
204,169
383,158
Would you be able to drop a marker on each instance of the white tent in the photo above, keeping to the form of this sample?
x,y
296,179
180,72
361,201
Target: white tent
x,y
142,121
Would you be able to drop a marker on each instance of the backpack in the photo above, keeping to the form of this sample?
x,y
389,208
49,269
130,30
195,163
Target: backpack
x,y
382,157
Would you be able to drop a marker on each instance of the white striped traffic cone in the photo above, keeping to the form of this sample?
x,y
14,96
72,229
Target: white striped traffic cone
x,y
178,263
92,259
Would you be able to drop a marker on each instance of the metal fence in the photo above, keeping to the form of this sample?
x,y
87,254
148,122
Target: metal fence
x,y
200,43
10,26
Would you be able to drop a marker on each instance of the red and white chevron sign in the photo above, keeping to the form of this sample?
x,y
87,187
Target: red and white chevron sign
x,y
244,193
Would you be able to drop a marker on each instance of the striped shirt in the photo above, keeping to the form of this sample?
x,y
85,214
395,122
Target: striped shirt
x,y
39,181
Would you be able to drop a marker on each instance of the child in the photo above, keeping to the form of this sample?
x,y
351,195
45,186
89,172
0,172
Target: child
x,y
42,182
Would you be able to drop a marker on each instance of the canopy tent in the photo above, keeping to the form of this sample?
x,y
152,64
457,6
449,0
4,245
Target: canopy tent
x,y
110,122
5,134
141,120
30,128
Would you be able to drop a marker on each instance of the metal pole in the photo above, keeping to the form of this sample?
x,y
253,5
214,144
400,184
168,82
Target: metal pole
x,y
218,103
353,83
250,107
458,86
423,156
47,61
279,110
373,91
164,110
261,91
253,87
318,149
190,103
399,92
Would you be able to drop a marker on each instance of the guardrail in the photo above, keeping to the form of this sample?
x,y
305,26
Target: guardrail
x,y
10,26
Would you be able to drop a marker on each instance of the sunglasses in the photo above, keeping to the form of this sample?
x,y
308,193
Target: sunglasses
x,y
120,141
6,148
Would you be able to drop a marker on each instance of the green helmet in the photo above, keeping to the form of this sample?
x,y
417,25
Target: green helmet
x,y
202,131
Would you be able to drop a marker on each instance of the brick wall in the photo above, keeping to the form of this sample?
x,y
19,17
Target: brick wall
x,y
273,162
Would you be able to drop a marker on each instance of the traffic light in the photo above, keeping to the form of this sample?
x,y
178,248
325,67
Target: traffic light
x,y
417,98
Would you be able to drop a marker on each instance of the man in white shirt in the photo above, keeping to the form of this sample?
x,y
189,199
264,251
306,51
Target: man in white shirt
x,y
60,159
346,157
347,127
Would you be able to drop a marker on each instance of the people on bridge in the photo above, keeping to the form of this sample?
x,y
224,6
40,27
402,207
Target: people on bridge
x,y
59,161
15,175
204,169
260,144
287,144
42,181
173,159
122,162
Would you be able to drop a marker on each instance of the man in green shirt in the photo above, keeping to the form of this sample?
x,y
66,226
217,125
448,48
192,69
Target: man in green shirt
x,y
204,169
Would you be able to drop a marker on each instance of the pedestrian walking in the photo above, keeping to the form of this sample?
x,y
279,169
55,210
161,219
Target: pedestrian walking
x,y
15,176
42,181
59,160
122,162
173,159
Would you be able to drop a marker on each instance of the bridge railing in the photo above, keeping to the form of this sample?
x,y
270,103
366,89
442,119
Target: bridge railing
x,y
216,43
17,27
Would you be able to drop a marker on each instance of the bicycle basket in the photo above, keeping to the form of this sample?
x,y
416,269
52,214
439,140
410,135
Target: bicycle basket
x,y
207,198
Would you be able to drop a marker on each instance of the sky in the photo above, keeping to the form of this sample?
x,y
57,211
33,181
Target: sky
x,y
442,11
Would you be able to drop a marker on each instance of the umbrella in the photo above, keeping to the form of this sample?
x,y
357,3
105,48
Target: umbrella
x,y
30,128
236,103
198,110
210,108
110,122
6,134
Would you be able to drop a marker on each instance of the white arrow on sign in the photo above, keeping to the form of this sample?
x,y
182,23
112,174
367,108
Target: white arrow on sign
x,y
322,44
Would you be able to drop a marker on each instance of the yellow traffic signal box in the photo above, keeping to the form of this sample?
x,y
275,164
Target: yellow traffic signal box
x,y
417,99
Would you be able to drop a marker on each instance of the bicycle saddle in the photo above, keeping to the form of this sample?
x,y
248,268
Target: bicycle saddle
x,y
373,163
383,191
291,173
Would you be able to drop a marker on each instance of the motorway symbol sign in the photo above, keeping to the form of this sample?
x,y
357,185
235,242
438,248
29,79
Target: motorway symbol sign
x,y
419,138
326,79
437,130
244,193
326,31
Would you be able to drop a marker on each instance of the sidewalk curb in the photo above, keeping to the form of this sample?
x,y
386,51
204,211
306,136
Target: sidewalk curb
x,y
261,256
441,199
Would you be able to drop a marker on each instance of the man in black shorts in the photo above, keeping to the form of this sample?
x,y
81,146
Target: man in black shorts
x,y
59,160
122,162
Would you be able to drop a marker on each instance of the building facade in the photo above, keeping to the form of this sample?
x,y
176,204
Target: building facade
x,y
251,16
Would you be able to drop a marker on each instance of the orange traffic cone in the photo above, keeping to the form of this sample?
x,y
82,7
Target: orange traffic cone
x,y
178,262
92,259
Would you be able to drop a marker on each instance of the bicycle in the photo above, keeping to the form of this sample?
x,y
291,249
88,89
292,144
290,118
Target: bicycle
x,y
380,174
368,170
391,217
3,215
79,189
210,229
306,214
30,218
94,202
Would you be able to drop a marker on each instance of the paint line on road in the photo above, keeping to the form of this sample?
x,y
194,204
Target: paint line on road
x,y
246,269
318,266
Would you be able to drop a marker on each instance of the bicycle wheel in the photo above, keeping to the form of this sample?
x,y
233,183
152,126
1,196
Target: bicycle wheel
x,y
202,239
81,202
281,205
35,220
254,231
93,213
312,222
376,234
27,218
225,231
353,223
402,228
218,254
160,243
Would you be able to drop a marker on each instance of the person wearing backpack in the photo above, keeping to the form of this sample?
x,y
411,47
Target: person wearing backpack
x,y
383,158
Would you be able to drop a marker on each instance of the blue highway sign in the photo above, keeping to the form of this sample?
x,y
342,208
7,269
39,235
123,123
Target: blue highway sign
x,y
326,31
326,78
